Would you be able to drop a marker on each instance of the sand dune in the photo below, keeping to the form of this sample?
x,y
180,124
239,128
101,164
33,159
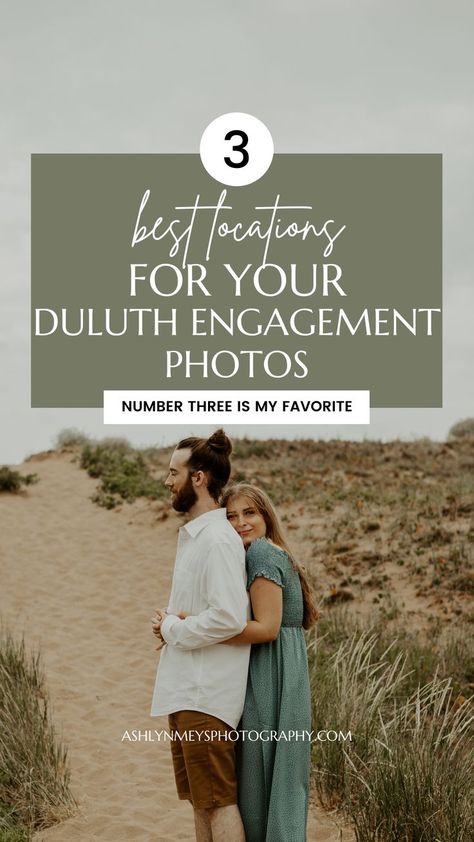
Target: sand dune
x,y
82,583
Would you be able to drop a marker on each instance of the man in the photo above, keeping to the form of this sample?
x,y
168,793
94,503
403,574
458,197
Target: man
x,y
201,684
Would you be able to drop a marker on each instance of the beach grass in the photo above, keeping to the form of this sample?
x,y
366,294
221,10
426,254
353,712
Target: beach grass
x,y
406,771
34,773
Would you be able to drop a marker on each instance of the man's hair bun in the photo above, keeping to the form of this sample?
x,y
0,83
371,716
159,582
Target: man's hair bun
x,y
212,456
220,442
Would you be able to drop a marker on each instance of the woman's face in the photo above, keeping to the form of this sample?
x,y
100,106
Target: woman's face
x,y
244,516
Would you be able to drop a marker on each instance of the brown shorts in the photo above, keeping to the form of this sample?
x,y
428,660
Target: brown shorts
x,y
204,764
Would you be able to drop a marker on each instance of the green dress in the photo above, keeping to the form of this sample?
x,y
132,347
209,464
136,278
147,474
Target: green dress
x,y
273,774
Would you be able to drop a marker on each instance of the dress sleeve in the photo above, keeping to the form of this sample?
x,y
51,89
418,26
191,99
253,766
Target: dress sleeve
x,y
263,559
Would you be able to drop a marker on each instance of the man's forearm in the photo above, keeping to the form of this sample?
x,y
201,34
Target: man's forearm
x,y
206,629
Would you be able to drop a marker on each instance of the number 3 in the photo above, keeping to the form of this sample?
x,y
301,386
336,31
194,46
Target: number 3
x,y
239,147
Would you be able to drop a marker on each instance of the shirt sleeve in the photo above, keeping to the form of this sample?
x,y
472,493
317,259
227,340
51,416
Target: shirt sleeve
x,y
226,616
263,559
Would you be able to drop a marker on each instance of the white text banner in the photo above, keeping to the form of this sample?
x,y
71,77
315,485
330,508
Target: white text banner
x,y
236,407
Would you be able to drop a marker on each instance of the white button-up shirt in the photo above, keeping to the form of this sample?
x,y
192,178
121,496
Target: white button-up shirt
x,y
209,582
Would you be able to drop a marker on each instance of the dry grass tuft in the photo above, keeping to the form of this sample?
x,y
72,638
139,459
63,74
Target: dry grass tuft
x,y
34,774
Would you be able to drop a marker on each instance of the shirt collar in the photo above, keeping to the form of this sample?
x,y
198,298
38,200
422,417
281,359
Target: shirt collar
x,y
197,524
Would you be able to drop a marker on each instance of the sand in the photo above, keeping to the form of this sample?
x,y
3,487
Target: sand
x,y
81,583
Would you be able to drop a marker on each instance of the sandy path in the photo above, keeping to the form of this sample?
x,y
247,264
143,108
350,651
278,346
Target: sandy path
x,y
81,583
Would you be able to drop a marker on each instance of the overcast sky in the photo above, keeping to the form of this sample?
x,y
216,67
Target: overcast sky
x,y
324,75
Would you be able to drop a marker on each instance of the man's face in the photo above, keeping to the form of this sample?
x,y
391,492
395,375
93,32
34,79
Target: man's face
x,y
179,481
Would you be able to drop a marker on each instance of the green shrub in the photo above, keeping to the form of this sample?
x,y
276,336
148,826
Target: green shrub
x,y
12,481
462,429
71,437
247,448
123,471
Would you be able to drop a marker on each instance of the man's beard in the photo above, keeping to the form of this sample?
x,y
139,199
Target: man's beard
x,y
185,499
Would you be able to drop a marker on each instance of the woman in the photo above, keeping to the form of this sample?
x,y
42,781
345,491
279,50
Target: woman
x,y
273,769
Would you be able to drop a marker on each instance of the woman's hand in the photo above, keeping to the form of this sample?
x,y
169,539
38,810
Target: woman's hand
x,y
156,621
160,614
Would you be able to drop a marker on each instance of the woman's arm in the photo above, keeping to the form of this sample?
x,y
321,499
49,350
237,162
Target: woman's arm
x,y
267,607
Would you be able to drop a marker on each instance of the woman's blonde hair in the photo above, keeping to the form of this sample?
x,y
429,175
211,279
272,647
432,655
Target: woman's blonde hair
x,y
275,533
